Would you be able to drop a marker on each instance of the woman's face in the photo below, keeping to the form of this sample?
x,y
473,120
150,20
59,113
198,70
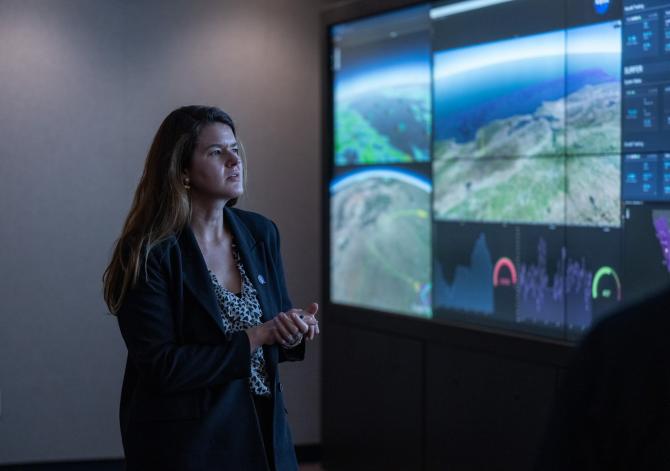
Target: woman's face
x,y
216,166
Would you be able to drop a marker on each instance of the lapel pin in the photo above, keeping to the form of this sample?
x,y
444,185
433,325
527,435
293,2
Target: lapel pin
x,y
261,280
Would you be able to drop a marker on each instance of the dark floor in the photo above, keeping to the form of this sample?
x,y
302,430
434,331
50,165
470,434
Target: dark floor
x,y
104,466
308,455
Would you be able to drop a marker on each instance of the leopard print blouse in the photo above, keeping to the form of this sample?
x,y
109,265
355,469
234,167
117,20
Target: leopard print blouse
x,y
241,311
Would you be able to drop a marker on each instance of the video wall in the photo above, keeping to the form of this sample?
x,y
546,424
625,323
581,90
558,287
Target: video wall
x,y
502,162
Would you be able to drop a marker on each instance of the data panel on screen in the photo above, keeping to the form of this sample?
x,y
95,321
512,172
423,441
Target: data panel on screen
x,y
502,163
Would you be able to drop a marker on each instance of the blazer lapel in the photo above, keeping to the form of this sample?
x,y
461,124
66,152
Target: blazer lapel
x,y
253,256
196,277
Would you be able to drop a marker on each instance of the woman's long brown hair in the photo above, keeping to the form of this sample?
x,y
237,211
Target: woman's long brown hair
x,y
161,206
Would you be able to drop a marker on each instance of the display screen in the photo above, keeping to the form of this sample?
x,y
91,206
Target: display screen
x,y
502,162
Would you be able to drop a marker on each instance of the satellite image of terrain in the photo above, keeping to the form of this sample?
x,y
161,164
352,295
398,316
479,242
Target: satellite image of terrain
x,y
385,126
593,196
380,242
522,190
593,120
534,189
541,133
527,129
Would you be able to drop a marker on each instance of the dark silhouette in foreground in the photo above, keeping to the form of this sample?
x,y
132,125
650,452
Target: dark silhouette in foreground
x,y
613,411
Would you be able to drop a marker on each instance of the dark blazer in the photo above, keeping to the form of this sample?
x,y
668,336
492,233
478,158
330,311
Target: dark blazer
x,y
185,401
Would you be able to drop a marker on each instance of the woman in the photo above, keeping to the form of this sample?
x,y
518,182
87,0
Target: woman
x,y
198,288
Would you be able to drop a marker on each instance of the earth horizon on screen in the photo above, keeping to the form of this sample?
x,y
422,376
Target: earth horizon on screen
x,y
381,90
380,241
513,114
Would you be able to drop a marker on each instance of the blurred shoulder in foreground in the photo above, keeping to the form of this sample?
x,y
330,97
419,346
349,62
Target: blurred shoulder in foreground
x,y
613,409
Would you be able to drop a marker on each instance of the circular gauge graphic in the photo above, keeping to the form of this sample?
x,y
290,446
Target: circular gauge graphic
x,y
606,284
504,273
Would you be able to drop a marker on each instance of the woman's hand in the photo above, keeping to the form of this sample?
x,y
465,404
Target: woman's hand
x,y
296,324
262,334
287,329
310,318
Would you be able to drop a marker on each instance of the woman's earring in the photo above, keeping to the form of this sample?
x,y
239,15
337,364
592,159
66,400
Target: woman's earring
x,y
186,183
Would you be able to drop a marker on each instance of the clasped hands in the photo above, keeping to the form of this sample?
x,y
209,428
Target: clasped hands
x,y
286,328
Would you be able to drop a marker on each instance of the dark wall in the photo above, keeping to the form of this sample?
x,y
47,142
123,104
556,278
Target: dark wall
x,y
407,394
